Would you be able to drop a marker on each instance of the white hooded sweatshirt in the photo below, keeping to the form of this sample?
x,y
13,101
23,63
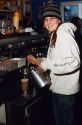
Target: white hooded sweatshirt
x,y
63,61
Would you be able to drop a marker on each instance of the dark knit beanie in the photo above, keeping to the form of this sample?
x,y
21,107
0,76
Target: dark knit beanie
x,y
52,10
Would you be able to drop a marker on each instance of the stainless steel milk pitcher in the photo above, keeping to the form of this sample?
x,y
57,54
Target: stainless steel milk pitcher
x,y
41,78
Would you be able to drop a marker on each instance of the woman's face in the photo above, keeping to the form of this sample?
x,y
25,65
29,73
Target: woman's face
x,y
51,23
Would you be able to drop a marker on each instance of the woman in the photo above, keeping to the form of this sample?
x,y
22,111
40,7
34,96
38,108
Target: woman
x,y
63,61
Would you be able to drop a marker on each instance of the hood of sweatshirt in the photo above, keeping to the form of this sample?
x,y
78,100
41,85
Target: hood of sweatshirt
x,y
68,27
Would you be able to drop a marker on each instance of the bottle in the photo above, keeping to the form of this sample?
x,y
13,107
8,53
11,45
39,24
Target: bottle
x,y
8,30
16,18
2,27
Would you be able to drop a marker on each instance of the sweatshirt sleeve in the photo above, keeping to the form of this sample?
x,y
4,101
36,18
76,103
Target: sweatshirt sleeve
x,y
65,57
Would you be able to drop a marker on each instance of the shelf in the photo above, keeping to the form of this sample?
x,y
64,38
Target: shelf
x,y
7,11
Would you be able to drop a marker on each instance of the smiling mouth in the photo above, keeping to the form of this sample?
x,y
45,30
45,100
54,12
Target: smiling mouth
x,y
49,26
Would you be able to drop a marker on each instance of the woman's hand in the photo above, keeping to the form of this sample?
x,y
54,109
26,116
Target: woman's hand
x,y
33,60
